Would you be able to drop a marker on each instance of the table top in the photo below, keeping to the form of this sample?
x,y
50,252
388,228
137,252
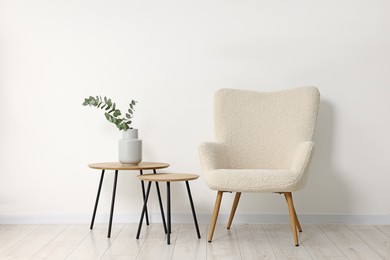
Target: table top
x,y
168,177
120,166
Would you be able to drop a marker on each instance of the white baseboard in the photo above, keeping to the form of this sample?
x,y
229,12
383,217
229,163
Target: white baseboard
x,y
202,218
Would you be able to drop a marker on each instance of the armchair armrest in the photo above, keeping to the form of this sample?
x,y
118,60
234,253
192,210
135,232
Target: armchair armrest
x,y
212,156
302,157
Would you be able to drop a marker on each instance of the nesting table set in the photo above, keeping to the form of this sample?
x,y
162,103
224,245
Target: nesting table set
x,y
151,177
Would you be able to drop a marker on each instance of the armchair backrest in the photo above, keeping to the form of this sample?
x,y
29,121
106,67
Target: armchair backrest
x,y
262,130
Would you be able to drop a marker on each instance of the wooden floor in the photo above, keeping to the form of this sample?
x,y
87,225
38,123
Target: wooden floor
x,y
242,241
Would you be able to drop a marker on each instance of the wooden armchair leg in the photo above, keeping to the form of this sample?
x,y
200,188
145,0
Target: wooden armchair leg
x,y
296,217
234,207
215,215
297,221
293,218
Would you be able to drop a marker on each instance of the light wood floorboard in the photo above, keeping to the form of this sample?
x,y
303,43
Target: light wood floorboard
x,y
33,242
96,243
318,244
125,245
384,228
12,234
242,241
62,245
155,245
349,243
253,242
374,238
282,241
224,244
188,246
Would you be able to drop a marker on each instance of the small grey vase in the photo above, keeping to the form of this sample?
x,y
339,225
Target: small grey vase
x,y
130,147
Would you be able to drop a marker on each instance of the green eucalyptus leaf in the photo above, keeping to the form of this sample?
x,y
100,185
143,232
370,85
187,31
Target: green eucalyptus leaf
x,y
113,109
107,116
117,113
125,127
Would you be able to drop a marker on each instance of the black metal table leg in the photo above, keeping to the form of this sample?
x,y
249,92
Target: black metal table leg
x,y
143,194
97,200
112,204
143,210
169,212
161,205
193,209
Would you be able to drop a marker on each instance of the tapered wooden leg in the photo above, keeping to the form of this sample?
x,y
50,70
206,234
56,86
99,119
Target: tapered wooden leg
x,y
215,215
297,221
234,207
293,219
296,217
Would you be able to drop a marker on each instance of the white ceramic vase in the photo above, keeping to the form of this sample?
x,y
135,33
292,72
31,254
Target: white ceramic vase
x,y
130,147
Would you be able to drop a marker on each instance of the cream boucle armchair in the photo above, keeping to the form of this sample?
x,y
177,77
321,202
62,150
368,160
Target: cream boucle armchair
x,y
263,145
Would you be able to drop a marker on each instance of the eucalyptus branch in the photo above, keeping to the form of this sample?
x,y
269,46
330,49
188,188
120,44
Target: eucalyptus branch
x,y
112,114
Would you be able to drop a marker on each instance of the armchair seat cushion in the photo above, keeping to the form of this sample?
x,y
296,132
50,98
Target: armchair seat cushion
x,y
253,180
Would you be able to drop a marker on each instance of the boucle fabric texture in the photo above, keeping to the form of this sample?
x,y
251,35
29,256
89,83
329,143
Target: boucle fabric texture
x,y
263,140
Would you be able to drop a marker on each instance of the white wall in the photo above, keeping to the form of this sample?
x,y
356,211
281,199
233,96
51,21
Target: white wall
x,y
172,56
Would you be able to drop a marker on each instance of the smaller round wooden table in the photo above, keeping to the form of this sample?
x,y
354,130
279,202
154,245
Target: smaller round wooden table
x,y
117,166
168,178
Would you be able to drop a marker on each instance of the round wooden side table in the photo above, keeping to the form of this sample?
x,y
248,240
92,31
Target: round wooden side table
x,y
168,178
117,166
